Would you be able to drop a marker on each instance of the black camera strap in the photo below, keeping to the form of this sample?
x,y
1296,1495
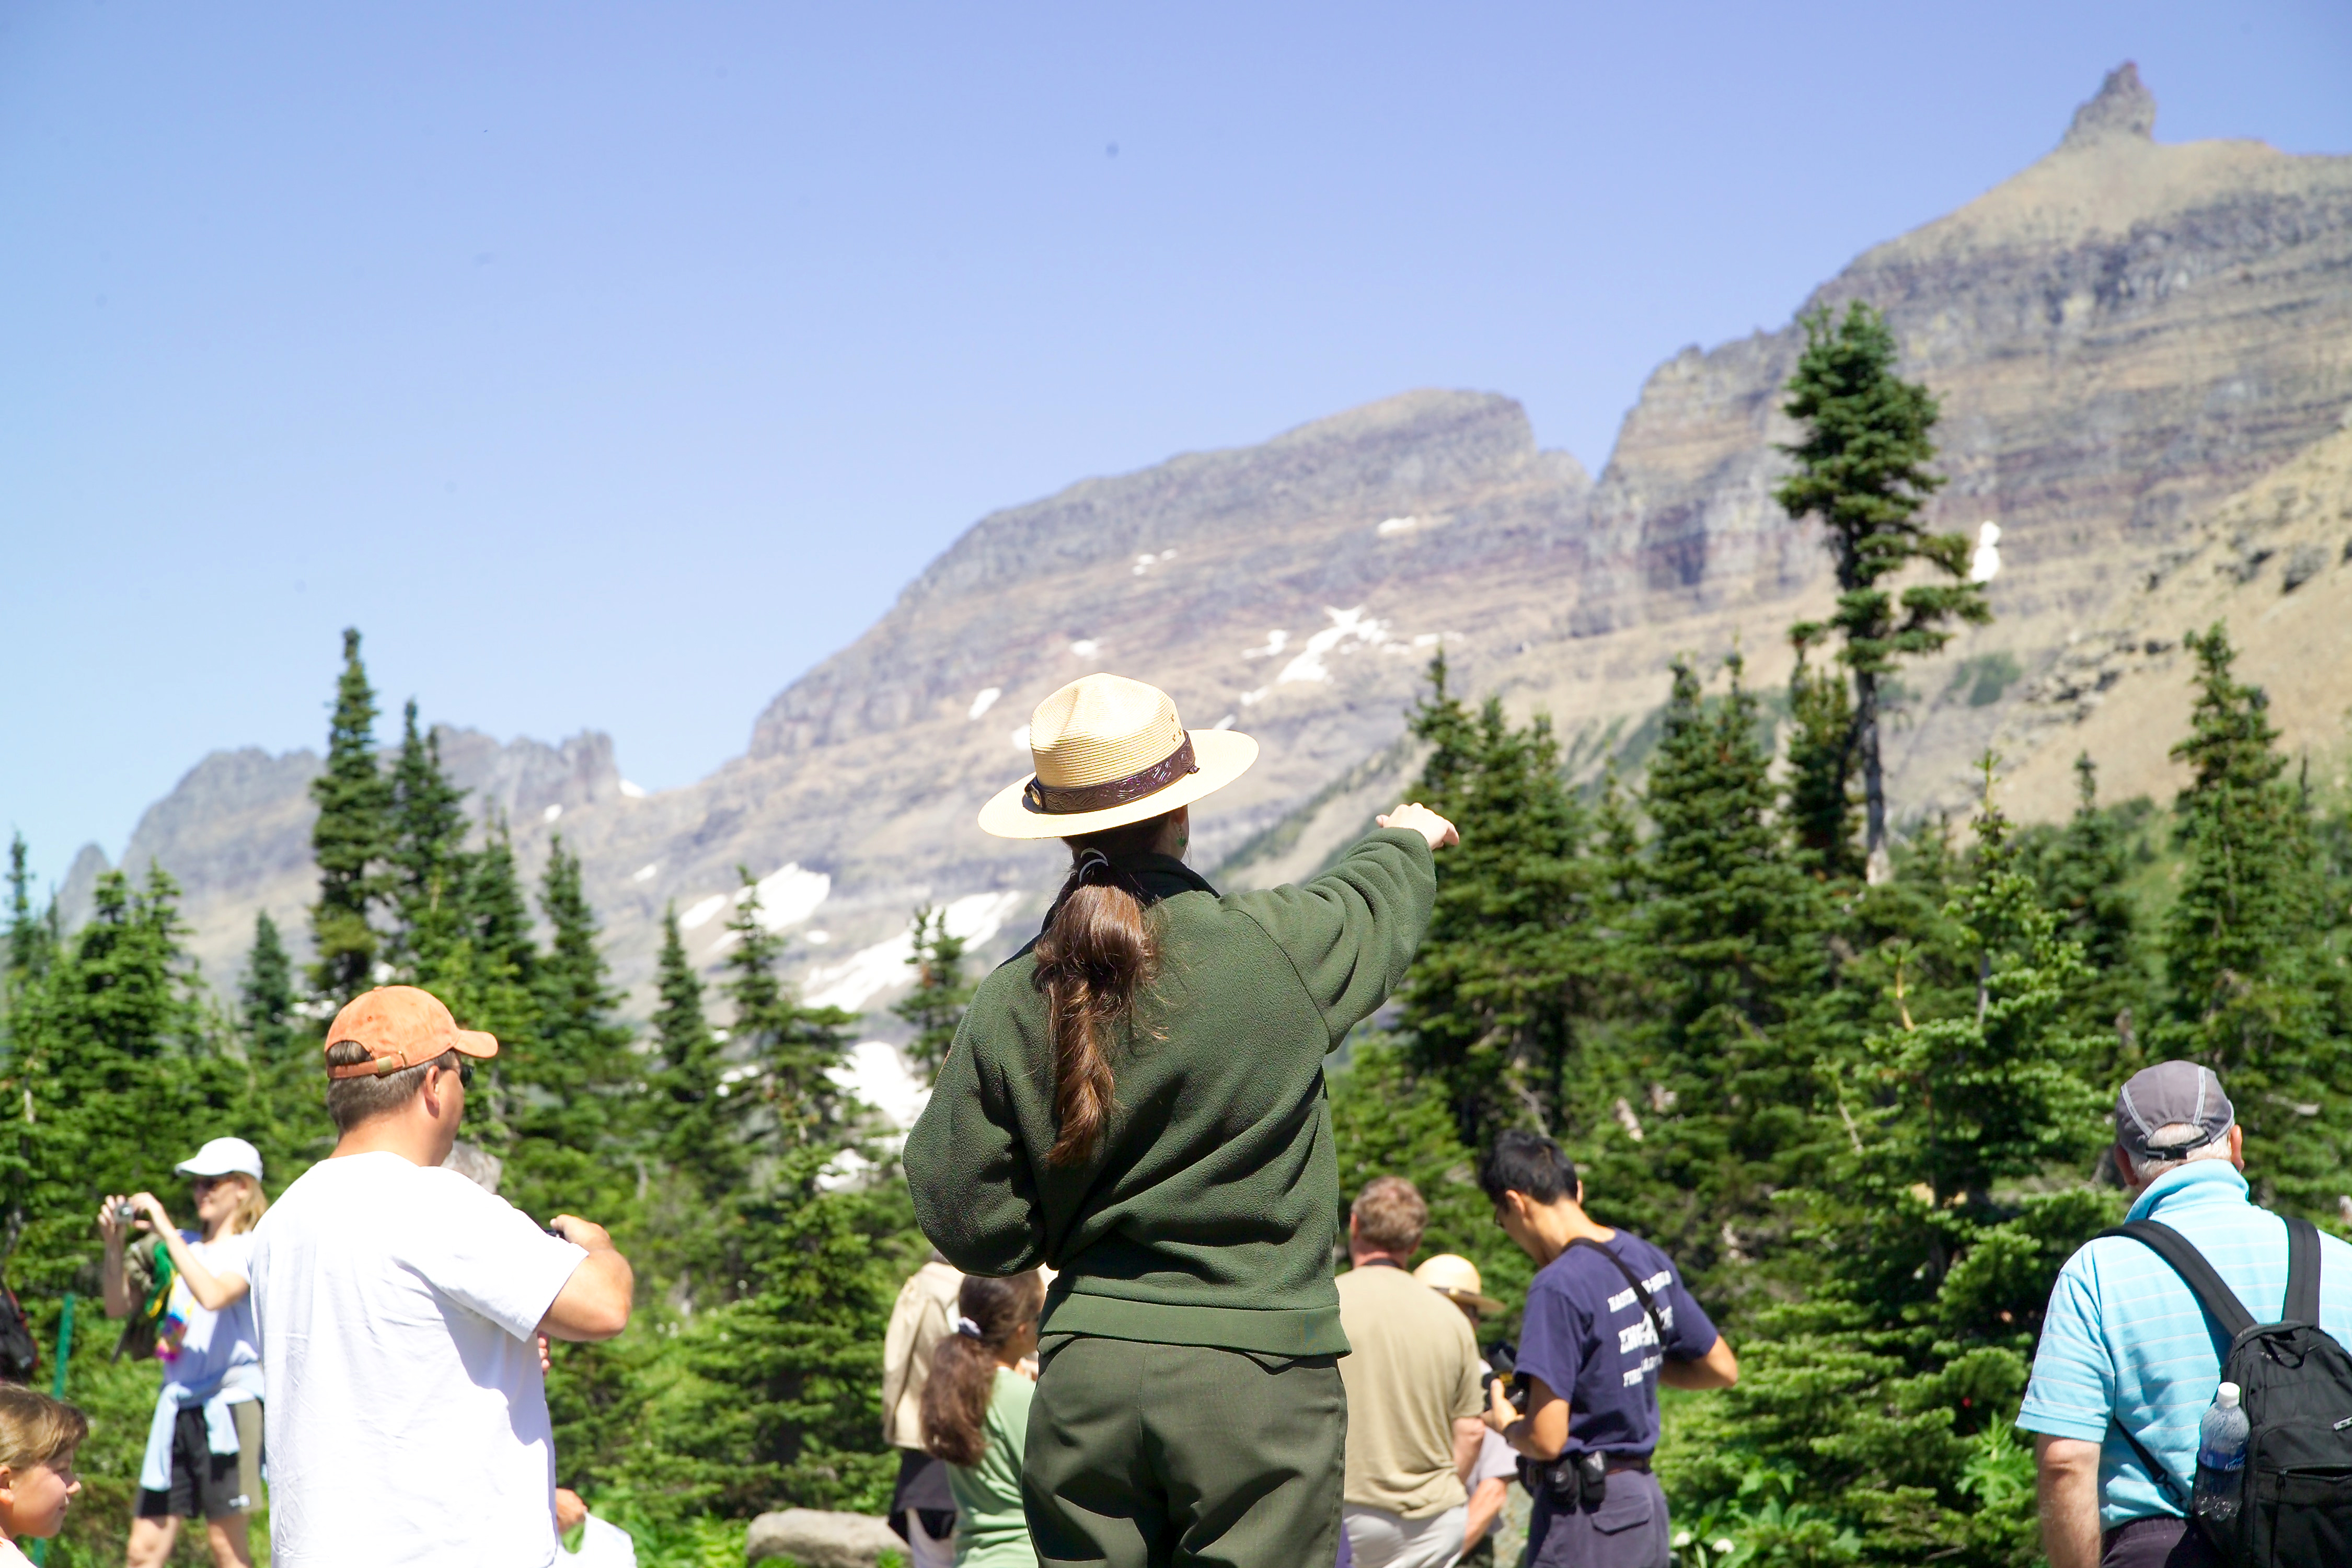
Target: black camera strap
x,y
1641,1291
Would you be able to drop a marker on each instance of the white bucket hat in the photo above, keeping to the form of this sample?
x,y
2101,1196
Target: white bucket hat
x,y
1108,751
221,1157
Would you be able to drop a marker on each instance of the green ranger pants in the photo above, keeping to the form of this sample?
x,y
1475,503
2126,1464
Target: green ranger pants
x,y
1144,1456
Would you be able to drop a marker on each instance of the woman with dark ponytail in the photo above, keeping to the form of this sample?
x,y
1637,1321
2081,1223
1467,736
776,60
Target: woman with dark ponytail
x,y
1136,1099
976,1416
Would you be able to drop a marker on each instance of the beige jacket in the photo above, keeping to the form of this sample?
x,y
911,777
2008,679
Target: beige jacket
x,y
924,1316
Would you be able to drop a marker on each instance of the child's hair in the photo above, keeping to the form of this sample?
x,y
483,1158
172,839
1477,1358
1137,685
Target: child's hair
x,y
36,1429
964,1367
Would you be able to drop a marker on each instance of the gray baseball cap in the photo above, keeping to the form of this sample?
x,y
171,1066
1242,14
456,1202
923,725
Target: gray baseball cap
x,y
2174,1096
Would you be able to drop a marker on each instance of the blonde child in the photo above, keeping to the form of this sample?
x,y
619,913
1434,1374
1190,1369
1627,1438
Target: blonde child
x,y
37,1440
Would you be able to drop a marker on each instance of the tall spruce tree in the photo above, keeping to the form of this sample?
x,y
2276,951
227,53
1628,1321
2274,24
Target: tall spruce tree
x,y
283,1085
266,994
788,1052
697,1137
572,1117
1872,1420
30,937
488,976
349,840
1513,962
2083,867
1729,950
1863,469
107,1048
935,1006
426,865
1821,808
2252,993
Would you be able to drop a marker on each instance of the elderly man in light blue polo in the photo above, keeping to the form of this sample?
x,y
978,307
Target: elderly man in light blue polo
x,y
2129,1361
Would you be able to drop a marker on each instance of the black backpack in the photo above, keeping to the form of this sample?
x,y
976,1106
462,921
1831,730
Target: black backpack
x,y
20,1353
2296,1386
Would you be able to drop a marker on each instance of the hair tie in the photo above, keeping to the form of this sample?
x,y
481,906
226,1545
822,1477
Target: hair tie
x,y
1093,868
967,1328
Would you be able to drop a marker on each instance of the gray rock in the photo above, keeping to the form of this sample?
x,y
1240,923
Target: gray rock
x,y
813,1538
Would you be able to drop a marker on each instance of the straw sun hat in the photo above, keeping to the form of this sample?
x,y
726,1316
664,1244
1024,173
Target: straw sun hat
x,y
1455,1278
1109,751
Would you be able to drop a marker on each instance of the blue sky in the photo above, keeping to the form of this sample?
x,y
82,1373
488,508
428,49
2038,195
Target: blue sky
x,y
612,364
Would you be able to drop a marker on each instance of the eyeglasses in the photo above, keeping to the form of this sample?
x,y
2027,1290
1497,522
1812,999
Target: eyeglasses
x,y
464,1074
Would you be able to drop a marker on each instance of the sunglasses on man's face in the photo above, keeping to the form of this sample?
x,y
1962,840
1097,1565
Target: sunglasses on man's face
x,y
464,1075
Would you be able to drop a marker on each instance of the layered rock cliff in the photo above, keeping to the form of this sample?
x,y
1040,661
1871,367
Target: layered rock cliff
x,y
2124,335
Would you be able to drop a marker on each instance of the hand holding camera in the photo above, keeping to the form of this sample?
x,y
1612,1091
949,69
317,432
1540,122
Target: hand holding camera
x,y
119,1217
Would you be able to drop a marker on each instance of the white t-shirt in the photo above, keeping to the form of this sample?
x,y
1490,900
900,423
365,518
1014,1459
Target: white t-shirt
x,y
397,1308
602,1544
198,1346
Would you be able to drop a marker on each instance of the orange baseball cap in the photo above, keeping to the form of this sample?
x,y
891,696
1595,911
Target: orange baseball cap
x,y
401,1026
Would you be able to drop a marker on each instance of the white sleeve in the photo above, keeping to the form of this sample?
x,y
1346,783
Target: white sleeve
x,y
485,1255
232,1256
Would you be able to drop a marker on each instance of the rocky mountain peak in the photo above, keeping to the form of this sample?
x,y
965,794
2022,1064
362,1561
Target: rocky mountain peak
x,y
2122,106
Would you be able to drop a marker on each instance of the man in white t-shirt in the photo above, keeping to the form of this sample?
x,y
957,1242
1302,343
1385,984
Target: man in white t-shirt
x,y
399,1308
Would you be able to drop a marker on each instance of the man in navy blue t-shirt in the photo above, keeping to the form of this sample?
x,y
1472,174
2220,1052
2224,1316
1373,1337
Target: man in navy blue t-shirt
x,y
1607,1320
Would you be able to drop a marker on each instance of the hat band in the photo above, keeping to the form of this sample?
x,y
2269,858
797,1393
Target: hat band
x,y
1053,800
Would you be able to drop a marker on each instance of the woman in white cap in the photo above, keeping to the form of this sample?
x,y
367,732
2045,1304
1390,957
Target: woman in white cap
x,y
1138,1101
203,1446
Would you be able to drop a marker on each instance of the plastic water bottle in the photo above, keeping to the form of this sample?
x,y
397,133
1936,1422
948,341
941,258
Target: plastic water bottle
x,y
2222,1457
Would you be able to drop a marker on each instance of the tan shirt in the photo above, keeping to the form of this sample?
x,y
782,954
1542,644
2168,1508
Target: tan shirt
x,y
925,1315
1412,1372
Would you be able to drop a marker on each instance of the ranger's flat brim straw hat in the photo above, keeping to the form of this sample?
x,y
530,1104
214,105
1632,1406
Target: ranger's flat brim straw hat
x,y
1107,751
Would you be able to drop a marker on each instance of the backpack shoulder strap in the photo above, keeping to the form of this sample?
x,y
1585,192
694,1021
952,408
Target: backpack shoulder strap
x,y
2301,1271
2157,1473
1641,1291
2212,1293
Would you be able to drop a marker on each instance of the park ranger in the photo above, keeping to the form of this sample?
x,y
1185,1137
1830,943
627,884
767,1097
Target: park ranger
x,y
1136,1099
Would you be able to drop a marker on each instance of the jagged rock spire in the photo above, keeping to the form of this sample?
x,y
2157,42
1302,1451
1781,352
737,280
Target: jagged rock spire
x,y
2123,107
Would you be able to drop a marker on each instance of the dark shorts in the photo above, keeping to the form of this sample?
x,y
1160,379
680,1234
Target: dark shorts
x,y
1627,1529
2160,1543
922,1492
204,1484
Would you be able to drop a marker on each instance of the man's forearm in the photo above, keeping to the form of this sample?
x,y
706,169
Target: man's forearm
x,y
2066,1483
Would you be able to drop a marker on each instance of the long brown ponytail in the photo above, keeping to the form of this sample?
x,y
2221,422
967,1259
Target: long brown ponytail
x,y
1096,953
964,1367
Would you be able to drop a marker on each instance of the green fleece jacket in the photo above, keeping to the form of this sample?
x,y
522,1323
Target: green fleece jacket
x,y
1209,1211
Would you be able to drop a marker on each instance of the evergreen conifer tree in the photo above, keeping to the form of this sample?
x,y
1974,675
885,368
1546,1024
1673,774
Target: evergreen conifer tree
x,y
1513,963
574,1072
107,1052
487,975
790,1050
29,935
2083,868
1820,807
1730,952
697,1139
1863,469
427,864
283,1084
267,994
1875,1402
2251,992
935,1006
349,840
